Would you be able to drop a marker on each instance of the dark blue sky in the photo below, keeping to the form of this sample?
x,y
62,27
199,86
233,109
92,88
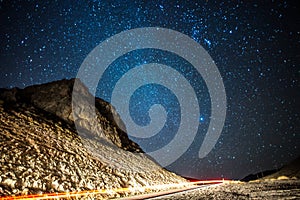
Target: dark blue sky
x,y
255,45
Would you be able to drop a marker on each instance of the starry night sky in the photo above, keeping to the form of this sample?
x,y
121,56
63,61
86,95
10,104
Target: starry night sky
x,y
255,45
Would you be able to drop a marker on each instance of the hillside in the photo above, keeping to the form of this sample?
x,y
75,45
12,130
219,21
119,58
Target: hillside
x,y
41,151
289,171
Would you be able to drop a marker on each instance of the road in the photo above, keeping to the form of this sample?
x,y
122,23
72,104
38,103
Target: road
x,y
173,192
165,189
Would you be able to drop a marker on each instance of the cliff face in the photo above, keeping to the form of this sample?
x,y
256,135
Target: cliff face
x,y
56,98
41,151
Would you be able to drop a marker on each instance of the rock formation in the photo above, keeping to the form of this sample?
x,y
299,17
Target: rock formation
x,y
289,171
41,151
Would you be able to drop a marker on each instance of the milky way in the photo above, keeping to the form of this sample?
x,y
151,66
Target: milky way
x,y
255,46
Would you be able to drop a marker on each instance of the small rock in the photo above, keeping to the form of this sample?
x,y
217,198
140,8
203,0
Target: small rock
x,y
9,182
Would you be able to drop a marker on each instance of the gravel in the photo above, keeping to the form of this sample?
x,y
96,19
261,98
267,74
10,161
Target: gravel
x,y
278,189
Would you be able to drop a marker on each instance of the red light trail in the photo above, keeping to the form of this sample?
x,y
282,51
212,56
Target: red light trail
x,y
111,191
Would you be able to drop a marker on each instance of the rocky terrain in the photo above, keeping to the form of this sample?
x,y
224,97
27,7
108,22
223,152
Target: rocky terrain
x,y
282,184
41,151
289,171
270,190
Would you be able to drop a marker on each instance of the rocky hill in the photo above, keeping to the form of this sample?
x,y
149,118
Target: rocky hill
x,y
41,151
289,171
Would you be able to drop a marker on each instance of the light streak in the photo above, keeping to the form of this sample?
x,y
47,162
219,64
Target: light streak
x,y
112,191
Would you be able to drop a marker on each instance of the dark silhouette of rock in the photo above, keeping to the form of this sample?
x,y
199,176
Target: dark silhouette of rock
x,y
289,171
258,175
41,151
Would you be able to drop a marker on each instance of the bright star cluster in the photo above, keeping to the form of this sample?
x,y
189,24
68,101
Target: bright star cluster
x,y
255,45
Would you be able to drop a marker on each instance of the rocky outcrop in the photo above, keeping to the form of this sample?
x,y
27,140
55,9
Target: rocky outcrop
x,y
289,171
41,151
56,98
